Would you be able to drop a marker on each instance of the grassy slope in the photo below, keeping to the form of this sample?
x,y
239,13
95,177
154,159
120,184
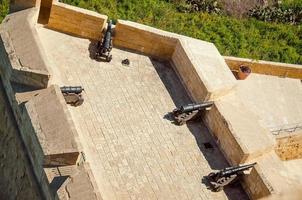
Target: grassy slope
x,y
243,38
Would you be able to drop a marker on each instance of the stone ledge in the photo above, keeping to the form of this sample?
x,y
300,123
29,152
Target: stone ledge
x,y
266,67
56,133
79,182
238,131
27,63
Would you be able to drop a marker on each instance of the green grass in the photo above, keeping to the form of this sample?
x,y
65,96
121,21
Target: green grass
x,y
3,8
247,38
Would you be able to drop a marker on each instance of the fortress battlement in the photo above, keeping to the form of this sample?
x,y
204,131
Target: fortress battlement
x,y
120,143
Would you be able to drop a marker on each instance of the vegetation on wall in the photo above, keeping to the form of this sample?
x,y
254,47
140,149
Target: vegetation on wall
x,y
241,37
3,8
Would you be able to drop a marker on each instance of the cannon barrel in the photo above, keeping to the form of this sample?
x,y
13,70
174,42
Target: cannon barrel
x,y
107,38
192,107
72,89
234,170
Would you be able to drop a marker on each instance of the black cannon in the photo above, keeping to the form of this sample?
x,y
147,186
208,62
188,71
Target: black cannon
x,y
104,47
72,95
190,112
217,180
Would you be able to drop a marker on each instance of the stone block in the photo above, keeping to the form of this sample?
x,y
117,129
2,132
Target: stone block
x,y
238,131
144,39
25,52
76,21
266,67
56,133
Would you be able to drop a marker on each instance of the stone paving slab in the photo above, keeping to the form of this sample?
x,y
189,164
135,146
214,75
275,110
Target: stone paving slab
x,y
134,152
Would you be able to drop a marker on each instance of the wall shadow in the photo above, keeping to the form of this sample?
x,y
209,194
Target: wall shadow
x,y
204,139
92,48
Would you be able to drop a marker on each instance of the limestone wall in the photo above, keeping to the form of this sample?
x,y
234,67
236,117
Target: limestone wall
x,y
155,43
189,76
238,131
76,21
31,143
17,178
265,67
52,124
27,63
289,146
256,184
224,137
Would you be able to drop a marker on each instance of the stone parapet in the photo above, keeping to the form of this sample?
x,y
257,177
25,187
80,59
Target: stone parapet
x,y
144,39
53,126
27,63
202,69
16,172
266,67
31,143
76,182
76,21
238,131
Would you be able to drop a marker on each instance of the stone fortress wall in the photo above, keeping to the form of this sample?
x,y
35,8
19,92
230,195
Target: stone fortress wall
x,y
24,67
203,71
17,178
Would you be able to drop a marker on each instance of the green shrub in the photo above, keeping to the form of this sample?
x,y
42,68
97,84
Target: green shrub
x,y
4,4
284,14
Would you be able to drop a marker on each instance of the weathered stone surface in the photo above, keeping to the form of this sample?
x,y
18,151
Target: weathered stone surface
x,y
238,131
73,182
28,62
53,126
17,178
289,145
202,69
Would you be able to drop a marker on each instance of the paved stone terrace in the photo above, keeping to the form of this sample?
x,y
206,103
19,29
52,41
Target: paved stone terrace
x,y
134,152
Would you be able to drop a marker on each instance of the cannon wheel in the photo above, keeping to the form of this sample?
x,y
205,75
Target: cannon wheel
x,y
109,58
217,189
